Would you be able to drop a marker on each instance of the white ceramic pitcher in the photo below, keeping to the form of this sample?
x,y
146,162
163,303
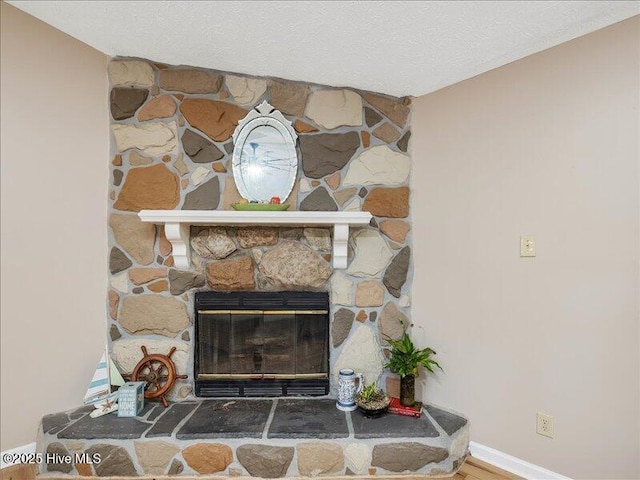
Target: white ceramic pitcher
x,y
347,389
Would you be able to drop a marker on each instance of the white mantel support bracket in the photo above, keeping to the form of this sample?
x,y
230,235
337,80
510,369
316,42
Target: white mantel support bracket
x,y
177,225
178,236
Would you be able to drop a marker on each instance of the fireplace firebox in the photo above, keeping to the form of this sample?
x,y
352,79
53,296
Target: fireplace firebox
x,y
261,344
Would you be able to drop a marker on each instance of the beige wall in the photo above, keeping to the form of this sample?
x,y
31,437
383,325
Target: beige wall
x,y
546,146
54,169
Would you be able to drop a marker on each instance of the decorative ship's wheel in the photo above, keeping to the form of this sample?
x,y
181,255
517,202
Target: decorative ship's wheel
x,y
159,373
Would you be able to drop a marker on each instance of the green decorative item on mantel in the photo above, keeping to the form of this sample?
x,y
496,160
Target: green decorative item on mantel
x,y
260,207
405,360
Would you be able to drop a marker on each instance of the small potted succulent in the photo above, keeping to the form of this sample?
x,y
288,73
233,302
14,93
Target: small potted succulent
x,y
372,401
404,360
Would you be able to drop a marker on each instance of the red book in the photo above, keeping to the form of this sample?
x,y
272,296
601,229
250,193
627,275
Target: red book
x,y
397,408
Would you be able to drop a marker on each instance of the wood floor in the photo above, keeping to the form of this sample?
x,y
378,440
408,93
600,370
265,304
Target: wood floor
x,y
473,469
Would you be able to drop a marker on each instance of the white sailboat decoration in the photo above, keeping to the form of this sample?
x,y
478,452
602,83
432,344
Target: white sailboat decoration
x,y
100,393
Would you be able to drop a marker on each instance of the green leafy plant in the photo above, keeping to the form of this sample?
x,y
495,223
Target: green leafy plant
x,y
406,358
371,393
372,397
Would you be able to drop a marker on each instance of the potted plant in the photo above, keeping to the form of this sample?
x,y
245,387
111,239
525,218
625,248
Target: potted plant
x,y
405,360
372,401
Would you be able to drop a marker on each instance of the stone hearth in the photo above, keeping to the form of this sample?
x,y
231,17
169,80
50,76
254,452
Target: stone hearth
x,y
258,437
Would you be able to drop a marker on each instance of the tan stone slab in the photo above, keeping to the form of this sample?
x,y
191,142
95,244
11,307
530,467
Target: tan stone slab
x,y
158,107
140,275
217,119
206,458
154,188
387,133
388,202
396,230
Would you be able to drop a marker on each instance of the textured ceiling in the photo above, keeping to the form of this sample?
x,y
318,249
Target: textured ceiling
x,y
394,47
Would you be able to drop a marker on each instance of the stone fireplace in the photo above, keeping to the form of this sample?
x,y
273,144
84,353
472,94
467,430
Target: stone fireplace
x,y
224,297
171,130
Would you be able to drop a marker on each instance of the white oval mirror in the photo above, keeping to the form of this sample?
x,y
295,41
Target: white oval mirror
x,y
265,161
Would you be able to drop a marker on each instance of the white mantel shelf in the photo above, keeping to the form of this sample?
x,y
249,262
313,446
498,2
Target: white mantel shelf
x,y
177,222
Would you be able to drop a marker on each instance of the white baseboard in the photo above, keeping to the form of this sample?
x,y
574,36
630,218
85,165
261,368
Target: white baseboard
x,y
12,457
512,464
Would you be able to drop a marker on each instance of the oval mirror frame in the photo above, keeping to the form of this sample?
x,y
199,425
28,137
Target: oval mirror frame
x,y
269,167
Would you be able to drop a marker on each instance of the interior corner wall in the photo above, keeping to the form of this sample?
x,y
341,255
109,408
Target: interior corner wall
x,y
54,169
546,146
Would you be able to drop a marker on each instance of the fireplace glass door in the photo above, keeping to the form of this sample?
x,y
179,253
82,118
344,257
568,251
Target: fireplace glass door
x,y
254,344
279,349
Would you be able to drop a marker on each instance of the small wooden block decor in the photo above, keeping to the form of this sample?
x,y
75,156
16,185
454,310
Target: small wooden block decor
x,y
131,399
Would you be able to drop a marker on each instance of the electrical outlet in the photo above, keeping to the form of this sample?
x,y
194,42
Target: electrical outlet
x,y
527,246
544,425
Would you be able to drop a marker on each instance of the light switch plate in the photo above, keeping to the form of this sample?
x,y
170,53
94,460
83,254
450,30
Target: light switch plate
x,y
527,246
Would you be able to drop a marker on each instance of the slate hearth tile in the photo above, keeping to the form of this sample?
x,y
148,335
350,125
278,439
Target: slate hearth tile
x,y
170,419
80,412
449,422
308,418
392,426
107,426
155,413
54,422
227,419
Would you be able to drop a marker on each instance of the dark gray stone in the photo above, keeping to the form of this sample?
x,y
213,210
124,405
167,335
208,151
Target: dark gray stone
x,y
176,467
341,326
403,143
172,416
114,460
155,413
449,422
402,456
114,333
363,192
199,149
125,101
205,197
373,315
228,147
117,177
291,233
118,261
308,418
319,201
186,337
180,281
55,421
327,153
80,412
371,117
396,273
265,461
373,223
392,426
138,290
227,419
107,426
159,259
60,452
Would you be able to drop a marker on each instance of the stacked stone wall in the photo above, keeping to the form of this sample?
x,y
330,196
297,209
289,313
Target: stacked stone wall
x,y
171,133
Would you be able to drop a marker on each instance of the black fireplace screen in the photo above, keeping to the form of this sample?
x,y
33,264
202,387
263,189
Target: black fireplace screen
x,y
262,344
